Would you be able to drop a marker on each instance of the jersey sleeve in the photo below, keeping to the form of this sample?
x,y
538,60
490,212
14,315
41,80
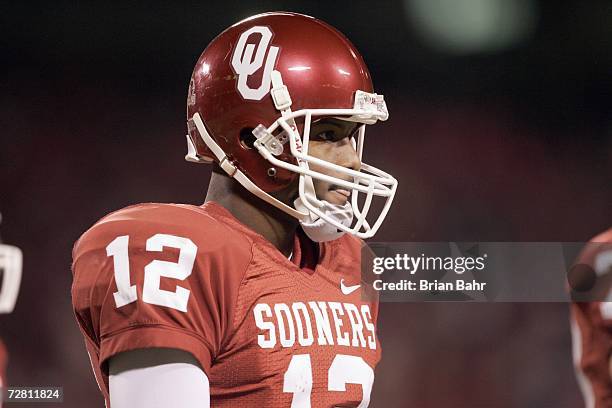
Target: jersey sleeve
x,y
157,277
591,324
3,364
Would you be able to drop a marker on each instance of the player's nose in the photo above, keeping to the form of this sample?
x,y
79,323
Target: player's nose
x,y
347,156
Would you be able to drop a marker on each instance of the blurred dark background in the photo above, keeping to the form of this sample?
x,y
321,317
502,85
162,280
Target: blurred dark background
x,y
500,130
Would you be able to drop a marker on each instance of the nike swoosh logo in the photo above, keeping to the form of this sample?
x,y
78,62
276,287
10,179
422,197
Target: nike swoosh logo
x,y
347,290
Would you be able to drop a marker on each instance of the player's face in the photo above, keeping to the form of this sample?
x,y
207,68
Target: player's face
x,y
330,140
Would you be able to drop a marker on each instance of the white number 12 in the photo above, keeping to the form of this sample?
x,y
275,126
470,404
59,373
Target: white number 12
x,y
344,370
154,271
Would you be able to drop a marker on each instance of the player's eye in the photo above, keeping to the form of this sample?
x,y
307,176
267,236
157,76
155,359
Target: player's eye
x,y
327,136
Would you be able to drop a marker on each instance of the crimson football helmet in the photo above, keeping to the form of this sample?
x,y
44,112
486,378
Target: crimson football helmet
x,y
252,97
10,271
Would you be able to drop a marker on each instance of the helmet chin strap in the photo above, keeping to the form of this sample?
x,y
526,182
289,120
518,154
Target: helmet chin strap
x,y
315,227
320,230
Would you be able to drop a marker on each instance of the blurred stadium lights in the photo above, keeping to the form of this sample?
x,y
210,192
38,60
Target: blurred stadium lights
x,y
464,27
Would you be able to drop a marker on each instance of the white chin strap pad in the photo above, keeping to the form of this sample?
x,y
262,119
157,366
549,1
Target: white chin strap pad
x,y
320,230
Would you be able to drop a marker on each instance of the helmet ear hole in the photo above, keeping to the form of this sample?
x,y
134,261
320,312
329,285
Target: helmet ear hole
x,y
247,138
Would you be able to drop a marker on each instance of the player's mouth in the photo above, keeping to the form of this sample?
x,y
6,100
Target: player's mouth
x,y
340,194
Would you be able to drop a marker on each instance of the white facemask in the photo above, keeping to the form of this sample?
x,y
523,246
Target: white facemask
x,y
320,230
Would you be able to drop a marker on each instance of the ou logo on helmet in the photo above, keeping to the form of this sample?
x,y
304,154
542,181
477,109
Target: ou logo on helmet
x,y
245,64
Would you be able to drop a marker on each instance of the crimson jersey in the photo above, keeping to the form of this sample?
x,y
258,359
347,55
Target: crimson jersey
x,y
3,363
592,330
266,330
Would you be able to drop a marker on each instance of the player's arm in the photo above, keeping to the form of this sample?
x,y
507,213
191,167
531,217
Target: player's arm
x,y
157,378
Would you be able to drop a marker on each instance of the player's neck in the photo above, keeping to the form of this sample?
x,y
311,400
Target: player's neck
x,y
273,224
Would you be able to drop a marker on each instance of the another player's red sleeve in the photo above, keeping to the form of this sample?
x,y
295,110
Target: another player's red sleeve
x,y
592,344
592,330
3,364
180,280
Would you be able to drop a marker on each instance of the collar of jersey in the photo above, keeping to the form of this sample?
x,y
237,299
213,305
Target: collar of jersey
x,y
325,252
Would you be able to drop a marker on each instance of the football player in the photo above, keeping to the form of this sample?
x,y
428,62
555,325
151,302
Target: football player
x,y
255,298
591,324
10,274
